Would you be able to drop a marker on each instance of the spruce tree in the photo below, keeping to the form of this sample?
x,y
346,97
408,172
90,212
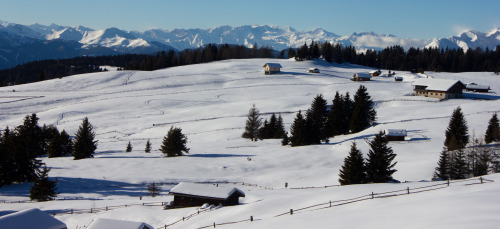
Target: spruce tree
x,y
285,141
379,165
318,117
493,130
459,168
335,117
253,124
43,189
442,172
364,115
25,145
279,128
129,147
66,143
348,109
55,147
7,160
84,146
297,130
154,189
457,132
148,147
174,143
353,171
311,133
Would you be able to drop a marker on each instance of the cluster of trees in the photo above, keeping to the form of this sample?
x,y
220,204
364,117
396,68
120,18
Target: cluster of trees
x,y
378,168
345,116
256,130
461,158
21,146
396,58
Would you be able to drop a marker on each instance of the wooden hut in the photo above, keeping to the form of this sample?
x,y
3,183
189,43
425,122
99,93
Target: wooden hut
x,y
193,194
395,134
398,78
29,219
361,77
272,68
438,88
375,73
313,70
477,88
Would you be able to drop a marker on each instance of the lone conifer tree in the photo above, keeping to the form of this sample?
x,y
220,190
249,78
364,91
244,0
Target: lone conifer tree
x,y
85,145
379,166
154,189
456,133
129,147
318,116
148,147
363,114
43,189
174,143
353,170
493,130
253,124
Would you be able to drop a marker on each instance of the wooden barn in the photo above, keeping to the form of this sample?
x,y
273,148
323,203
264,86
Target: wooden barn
x,y
313,70
29,219
398,78
193,194
361,77
375,73
272,68
438,88
395,134
477,88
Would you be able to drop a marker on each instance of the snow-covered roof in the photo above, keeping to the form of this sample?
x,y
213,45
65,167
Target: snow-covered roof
x,y
374,71
363,75
29,219
273,65
313,69
395,132
436,84
205,190
474,86
114,223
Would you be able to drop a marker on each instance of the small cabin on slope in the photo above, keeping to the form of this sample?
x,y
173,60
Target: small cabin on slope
x,y
272,68
395,134
29,219
361,77
193,194
313,70
114,223
438,88
375,73
477,88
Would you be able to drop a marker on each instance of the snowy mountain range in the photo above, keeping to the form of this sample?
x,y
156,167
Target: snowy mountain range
x,y
22,43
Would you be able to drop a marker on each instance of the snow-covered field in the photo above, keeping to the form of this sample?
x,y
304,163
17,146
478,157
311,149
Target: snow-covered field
x,y
210,103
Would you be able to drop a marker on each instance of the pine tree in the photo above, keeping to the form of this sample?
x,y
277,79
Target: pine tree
x,y
459,169
379,165
55,147
84,146
154,189
297,130
318,116
353,170
311,133
493,130
25,145
129,147
43,189
7,160
335,117
279,128
148,147
174,143
66,143
363,114
253,124
285,141
348,109
457,132
442,172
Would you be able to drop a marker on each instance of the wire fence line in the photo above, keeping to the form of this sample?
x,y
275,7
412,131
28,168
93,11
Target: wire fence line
x,y
373,195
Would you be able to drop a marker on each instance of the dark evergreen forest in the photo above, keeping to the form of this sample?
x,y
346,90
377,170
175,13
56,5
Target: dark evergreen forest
x,y
392,58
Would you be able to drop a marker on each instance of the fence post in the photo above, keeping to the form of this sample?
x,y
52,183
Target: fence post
x,y
286,185
373,196
106,208
214,224
481,179
71,211
90,210
251,218
182,218
330,203
165,226
408,189
291,211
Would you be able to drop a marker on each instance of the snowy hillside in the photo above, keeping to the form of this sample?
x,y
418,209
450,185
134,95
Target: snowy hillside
x,y
210,103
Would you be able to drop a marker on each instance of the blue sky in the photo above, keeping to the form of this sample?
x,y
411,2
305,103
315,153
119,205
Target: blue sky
x,y
403,18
